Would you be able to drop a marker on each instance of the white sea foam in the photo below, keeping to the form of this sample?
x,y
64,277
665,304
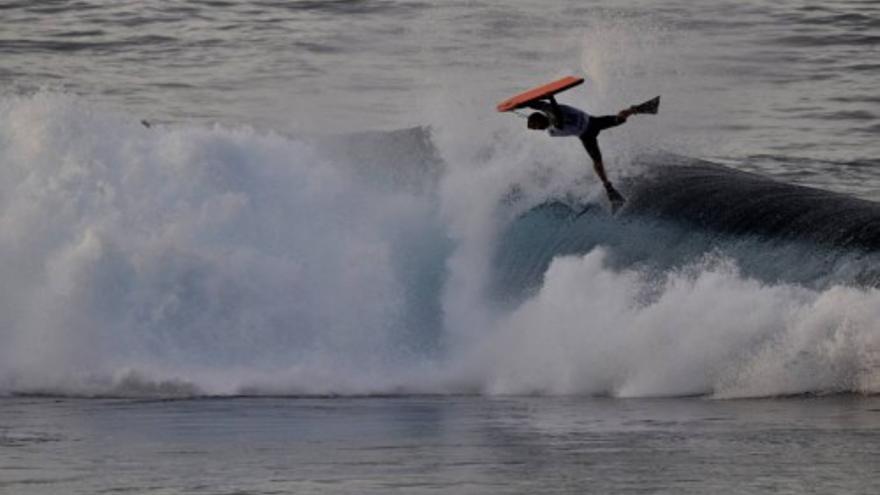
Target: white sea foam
x,y
705,331
182,248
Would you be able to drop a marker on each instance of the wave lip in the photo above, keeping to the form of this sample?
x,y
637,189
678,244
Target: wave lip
x,y
720,199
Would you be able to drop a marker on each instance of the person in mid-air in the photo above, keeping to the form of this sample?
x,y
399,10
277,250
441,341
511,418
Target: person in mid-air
x,y
562,120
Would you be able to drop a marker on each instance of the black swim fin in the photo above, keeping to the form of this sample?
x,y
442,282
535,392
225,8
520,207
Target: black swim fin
x,y
615,198
651,106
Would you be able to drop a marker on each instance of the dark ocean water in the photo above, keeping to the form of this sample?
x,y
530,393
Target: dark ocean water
x,y
329,266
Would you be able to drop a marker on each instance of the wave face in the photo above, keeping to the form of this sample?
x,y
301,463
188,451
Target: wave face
x,y
182,261
712,197
681,209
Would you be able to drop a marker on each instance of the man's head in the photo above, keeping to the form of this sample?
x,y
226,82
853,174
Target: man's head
x,y
538,121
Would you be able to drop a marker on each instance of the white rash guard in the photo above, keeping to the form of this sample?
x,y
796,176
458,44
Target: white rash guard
x,y
574,121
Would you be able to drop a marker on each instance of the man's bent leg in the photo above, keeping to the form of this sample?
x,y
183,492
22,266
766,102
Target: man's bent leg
x,y
597,124
592,147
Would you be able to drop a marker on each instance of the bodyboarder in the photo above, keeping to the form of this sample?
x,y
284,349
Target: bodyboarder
x,y
563,120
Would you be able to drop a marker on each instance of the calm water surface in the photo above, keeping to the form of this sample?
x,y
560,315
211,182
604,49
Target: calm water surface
x,y
440,445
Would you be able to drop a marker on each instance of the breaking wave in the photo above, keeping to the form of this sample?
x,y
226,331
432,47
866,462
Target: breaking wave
x,y
185,261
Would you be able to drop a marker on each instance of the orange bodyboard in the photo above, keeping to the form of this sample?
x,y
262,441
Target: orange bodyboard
x,y
543,91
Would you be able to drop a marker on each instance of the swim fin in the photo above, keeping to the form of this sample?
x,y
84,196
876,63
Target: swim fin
x,y
651,106
615,198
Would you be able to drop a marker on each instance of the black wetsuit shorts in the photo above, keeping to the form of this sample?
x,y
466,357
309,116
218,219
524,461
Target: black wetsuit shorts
x,y
594,127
